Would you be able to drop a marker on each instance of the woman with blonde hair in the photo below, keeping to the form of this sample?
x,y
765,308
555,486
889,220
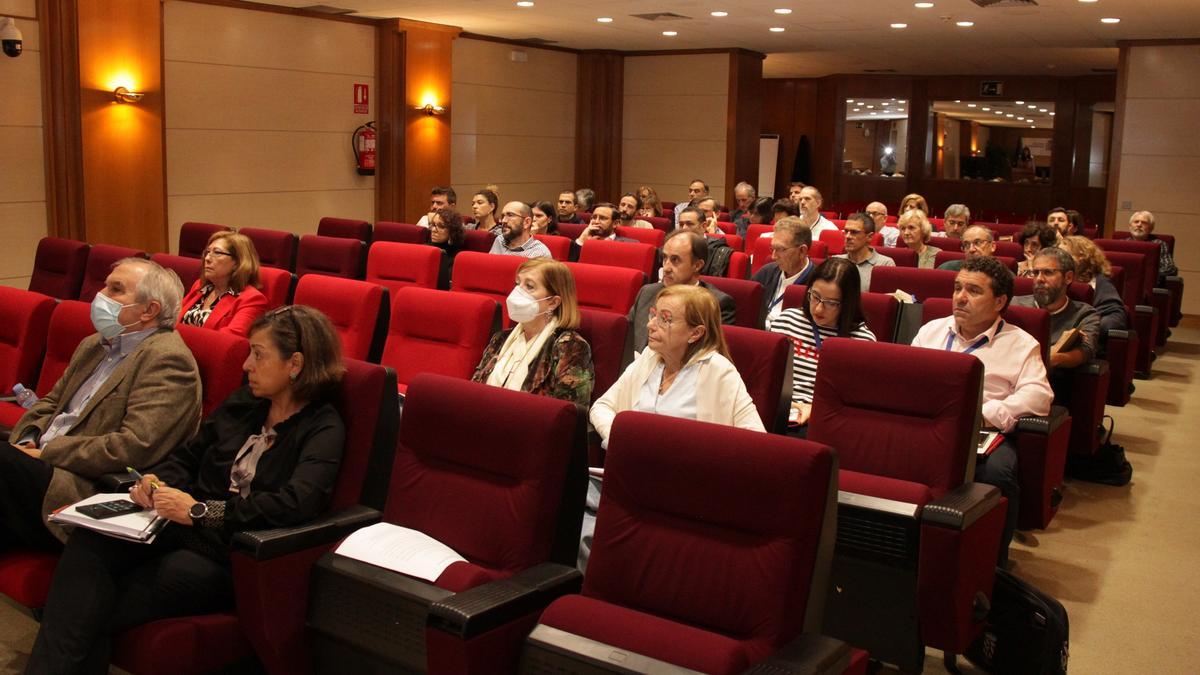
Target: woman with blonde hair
x,y
225,297
913,201
543,354
1092,268
915,231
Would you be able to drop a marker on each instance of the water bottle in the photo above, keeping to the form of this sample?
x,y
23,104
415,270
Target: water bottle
x,y
24,396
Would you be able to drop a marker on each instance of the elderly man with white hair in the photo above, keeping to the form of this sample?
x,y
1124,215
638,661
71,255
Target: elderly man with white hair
x,y
1141,228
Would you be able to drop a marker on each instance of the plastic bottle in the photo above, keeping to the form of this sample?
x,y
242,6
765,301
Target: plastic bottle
x,y
25,397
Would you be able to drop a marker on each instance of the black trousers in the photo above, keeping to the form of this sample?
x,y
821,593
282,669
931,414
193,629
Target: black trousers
x,y
104,586
1000,469
23,483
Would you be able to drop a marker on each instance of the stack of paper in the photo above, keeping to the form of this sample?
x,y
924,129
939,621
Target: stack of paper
x,y
139,526
400,549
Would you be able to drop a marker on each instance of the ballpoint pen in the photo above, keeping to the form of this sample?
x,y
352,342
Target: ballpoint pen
x,y
137,476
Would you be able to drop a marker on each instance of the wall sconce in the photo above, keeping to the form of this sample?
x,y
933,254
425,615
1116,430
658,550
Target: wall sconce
x,y
123,95
431,109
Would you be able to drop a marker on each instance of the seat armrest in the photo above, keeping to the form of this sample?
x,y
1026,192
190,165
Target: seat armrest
x,y
1158,290
1143,309
266,544
805,655
496,603
1093,368
1044,425
115,482
962,506
1174,279
1120,333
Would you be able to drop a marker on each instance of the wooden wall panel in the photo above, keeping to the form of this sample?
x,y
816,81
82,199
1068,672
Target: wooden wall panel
x,y
744,120
599,119
427,58
22,172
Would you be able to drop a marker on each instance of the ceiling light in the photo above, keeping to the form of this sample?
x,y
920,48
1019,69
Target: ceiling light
x,y
605,19
985,109
999,113
923,5
849,100
899,25
1052,114
524,3
869,107
1041,110
901,101
783,10
957,101
857,109
964,24
777,29
1087,0
874,113
1110,19
719,14
669,33
1032,105
972,105
1019,102
1021,119
1009,115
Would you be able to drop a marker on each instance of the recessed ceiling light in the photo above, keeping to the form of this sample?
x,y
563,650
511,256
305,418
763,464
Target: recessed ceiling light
x,y
1032,106
985,108
1009,115
605,19
849,100
857,109
901,101
669,33
964,24
874,113
1022,119
777,29
957,101
1052,114
923,5
1041,109
1110,19
1087,0
719,14
999,112
869,107
783,10
524,3
899,25
1019,102
972,105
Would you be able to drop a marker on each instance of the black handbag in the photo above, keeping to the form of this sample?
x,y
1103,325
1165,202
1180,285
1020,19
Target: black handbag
x,y
1026,631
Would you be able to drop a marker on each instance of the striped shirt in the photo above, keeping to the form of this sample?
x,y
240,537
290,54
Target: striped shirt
x,y
805,351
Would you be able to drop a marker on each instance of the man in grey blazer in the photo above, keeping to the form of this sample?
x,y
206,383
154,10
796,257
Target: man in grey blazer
x,y
130,394
683,253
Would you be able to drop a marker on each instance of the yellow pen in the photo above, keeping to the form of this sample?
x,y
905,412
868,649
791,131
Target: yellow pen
x,y
138,477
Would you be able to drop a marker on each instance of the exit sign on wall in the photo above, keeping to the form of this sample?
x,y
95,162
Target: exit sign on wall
x,y
993,88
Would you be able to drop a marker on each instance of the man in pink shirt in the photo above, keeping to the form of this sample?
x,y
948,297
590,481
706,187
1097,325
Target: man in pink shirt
x,y
1014,377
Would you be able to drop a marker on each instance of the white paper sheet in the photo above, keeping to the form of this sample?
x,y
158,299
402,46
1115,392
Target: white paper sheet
x,y
140,526
400,549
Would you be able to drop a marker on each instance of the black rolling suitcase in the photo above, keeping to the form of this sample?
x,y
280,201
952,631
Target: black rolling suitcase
x,y
1026,631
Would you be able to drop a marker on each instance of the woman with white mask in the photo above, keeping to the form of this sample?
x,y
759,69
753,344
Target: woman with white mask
x,y
543,354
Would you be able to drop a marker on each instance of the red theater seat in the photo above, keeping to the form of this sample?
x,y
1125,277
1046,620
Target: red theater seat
x,y
277,285
193,238
560,246
479,241
346,228
640,257
739,266
70,323
24,321
611,341
764,360
652,237
438,332
100,261
903,257
188,269
492,276
275,248
330,256
58,267
394,265
219,360
747,296
357,309
404,233
923,283
611,289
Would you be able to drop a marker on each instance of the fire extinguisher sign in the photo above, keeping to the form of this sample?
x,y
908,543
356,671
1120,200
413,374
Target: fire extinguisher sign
x,y
362,95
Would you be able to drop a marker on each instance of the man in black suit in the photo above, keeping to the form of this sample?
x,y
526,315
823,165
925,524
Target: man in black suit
x,y
684,252
602,226
789,264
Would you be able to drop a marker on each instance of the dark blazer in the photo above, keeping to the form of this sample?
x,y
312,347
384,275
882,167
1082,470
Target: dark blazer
x,y
769,276
1108,302
233,313
563,368
640,312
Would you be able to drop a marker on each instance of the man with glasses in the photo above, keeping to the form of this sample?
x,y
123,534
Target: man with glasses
x,y
683,255
878,213
602,226
716,263
977,242
789,264
516,237
858,230
955,221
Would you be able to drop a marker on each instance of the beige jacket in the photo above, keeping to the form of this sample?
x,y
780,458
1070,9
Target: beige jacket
x,y
149,404
721,396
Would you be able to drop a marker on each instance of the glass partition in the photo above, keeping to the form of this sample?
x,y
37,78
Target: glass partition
x,y
1001,141
876,137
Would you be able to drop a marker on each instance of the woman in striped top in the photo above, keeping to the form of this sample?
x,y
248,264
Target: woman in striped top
x,y
833,308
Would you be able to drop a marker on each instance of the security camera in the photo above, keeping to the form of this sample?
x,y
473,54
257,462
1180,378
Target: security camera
x,y
10,37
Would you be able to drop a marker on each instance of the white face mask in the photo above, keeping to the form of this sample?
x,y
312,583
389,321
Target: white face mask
x,y
105,313
522,306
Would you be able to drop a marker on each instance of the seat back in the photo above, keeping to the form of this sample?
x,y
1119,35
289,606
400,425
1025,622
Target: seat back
x,y
1032,320
611,341
193,238
659,222
368,405
277,285
1123,235
479,241
331,256
345,228
652,237
1009,249
394,265
732,240
922,283
438,332
404,233
611,289
640,257
490,275
1133,290
1149,250
24,322
899,431
70,323
357,310
764,360
902,256
100,261
506,504
571,230
835,240
747,296
739,266
219,359
560,246
775,516
761,254
58,267
881,310
188,269
1077,290
275,248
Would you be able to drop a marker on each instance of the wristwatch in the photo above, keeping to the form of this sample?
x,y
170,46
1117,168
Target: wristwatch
x,y
198,511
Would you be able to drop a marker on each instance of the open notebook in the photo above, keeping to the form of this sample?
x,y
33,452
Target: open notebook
x,y
139,526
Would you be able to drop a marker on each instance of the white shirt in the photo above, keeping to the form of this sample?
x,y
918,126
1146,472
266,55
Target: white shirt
x,y
892,234
777,299
1014,376
822,225
679,400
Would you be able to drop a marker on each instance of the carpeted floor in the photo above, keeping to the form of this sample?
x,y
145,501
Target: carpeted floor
x,y
1117,558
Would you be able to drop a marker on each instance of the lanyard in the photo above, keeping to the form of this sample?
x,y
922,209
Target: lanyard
x,y
799,280
816,334
977,344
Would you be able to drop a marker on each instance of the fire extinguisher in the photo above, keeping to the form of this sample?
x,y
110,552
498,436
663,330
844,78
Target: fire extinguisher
x,y
363,144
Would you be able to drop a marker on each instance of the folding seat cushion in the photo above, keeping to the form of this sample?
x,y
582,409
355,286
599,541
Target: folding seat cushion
x,y
395,265
188,269
687,606
438,332
275,248
490,275
277,284
922,283
356,308
58,267
640,257
24,321
571,230
405,233
70,323
609,336
193,238
652,237
331,256
764,360
835,240
479,241
882,311
747,296
603,287
903,257
739,266
219,359
101,259
346,228
560,246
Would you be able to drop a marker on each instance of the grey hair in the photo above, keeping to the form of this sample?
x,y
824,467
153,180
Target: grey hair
x,y
1149,217
991,236
958,210
1066,262
917,216
746,187
159,284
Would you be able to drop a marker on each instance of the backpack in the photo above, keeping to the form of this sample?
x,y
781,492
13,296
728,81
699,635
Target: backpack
x,y
1107,466
1026,631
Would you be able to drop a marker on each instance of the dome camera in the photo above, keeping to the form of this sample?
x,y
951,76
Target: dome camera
x,y
10,37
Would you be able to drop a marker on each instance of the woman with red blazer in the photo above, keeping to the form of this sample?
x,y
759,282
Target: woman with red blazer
x,y
225,297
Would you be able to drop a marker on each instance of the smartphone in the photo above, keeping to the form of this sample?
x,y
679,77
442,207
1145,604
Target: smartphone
x,y
117,507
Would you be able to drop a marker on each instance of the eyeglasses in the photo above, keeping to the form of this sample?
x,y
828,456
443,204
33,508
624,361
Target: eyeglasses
x,y
215,252
509,214
975,243
954,223
854,233
287,309
663,319
1045,271
780,250
877,214
438,225
815,298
